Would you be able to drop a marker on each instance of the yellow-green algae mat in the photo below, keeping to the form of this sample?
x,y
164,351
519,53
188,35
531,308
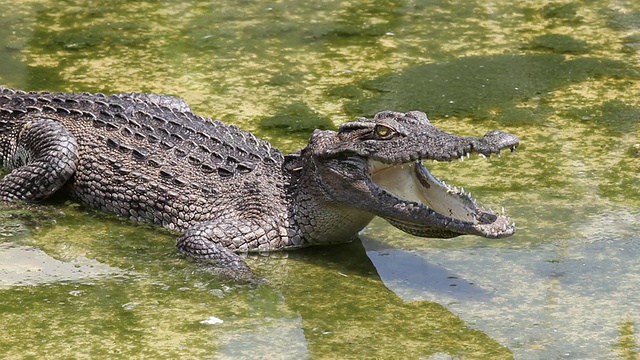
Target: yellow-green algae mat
x,y
564,76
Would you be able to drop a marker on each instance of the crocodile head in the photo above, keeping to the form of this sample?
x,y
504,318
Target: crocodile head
x,y
375,165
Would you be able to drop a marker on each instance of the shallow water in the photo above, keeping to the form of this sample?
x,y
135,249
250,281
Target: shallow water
x,y
564,76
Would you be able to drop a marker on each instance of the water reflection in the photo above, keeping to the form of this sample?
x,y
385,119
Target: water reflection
x,y
30,266
412,277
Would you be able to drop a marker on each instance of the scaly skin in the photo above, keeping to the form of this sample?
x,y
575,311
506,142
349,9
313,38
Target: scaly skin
x,y
147,157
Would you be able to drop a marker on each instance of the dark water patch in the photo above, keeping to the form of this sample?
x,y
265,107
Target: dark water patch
x,y
345,92
623,20
296,118
16,29
621,181
50,78
346,30
353,23
285,78
86,27
10,45
560,11
17,218
12,70
243,32
559,44
246,29
631,43
481,87
615,116
554,14
523,116
110,34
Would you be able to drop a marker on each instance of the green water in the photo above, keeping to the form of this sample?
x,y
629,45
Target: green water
x,y
564,76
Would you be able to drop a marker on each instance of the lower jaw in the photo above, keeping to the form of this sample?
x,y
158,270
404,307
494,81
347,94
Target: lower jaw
x,y
434,231
423,231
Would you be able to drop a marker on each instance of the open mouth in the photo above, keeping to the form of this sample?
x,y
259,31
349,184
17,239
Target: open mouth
x,y
460,214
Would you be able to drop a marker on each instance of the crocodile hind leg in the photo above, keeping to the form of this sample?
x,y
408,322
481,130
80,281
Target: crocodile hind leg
x,y
217,241
42,156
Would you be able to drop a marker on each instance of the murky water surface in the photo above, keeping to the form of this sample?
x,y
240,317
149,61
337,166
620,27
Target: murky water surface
x,y
564,76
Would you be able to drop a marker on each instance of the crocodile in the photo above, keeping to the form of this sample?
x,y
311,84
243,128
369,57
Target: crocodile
x,y
149,158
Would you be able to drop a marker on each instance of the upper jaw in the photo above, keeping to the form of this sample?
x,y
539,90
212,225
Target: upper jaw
x,y
440,210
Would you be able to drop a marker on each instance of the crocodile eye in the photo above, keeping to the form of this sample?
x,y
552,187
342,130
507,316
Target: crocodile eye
x,y
384,132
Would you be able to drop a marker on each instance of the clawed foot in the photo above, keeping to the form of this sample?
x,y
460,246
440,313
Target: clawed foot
x,y
239,273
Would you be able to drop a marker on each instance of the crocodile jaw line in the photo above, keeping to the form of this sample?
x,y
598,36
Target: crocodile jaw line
x,y
412,182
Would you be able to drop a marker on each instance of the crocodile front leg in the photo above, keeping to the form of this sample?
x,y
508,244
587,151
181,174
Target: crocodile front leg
x,y
42,154
220,239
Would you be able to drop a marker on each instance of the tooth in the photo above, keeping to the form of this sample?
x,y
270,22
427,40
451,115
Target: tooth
x,y
504,227
502,210
513,224
461,190
462,158
499,155
468,155
483,156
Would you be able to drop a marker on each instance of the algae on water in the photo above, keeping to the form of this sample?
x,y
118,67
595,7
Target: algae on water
x,y
480,87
